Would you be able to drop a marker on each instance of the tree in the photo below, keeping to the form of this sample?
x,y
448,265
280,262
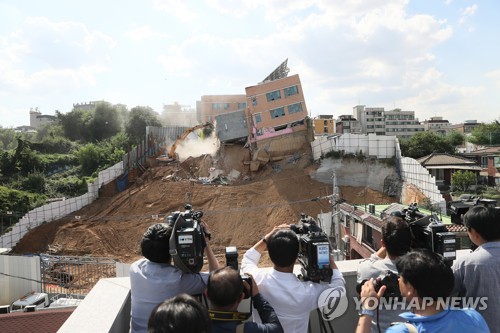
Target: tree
x,y
486,134
462,180
138,119
105,122
425,143
76,124
455,138
7,138
90,158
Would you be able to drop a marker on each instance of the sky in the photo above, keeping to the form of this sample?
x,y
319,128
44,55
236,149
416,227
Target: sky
x,y
434,57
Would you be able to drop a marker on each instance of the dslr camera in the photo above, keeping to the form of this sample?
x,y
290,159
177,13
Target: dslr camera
x,y
232,261
314,251
388,279
187,241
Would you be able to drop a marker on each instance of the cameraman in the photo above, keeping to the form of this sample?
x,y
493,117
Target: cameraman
x,y
291,298
225,292
424,280
477,274
396,240
154,279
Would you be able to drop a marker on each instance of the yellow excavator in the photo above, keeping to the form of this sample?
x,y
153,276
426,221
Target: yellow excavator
x,y
171,154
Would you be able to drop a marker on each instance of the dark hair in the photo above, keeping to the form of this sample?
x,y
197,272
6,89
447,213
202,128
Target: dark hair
x,y
224,287
485,220
396,235
179,314
155,243
283,247
427,273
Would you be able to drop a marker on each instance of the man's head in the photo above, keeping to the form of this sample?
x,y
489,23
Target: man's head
x,y
427,273
396,235
225,288
283,248
485,221
179,314
155,243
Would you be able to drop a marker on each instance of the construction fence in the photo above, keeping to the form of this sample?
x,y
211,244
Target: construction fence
x,y
65,276
369,145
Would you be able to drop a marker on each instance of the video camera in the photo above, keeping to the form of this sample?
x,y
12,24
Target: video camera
x,y
314,252
388,279
187,241
232,261
427,231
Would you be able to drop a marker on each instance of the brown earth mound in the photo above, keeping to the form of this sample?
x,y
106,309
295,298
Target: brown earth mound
x,y
238,214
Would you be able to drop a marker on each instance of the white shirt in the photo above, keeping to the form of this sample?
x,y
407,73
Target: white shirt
x,y
151,283
291,298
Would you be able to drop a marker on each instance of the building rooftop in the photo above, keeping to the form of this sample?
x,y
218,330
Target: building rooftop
x,y
46,321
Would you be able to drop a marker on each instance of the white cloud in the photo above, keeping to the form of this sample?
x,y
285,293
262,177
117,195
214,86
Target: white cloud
x,y
45,55
467,12
143,33
178,8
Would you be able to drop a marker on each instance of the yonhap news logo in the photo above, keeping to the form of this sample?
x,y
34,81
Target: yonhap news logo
x,y
333,303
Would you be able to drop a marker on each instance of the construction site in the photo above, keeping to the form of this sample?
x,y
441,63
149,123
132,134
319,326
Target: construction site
x,y
238,210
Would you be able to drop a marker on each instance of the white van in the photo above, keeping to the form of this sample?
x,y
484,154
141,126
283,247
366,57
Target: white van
x,y
31,299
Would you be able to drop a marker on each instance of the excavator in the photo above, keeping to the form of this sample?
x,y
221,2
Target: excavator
x,y
171,155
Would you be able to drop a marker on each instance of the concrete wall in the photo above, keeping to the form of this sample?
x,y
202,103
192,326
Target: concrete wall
x,y
231,126
20,275
350,172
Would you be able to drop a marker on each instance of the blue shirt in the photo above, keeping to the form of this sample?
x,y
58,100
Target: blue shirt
x,y
446,321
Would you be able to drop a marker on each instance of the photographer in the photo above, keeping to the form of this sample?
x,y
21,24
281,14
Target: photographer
x,y
225,292
396,240
291,298
425,279
478,274
179,314
154,279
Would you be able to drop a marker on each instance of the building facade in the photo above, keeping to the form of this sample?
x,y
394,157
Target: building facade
x,y
348,124
437,125
275,108
211,106
324,124
402,123
37,119
393,122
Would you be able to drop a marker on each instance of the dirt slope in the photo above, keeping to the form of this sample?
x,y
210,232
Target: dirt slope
x,y
237,214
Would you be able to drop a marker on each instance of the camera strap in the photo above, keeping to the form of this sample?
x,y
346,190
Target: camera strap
x,y
228,316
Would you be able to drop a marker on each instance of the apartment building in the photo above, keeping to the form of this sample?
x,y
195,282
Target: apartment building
x,y
324,124
348,124
371,119
211,106
402,123
466,127
275,107
392,122
437,125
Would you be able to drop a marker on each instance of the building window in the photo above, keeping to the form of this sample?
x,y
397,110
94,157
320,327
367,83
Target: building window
x,y
217,106
273,95
367,235
294,108
325,129
242,106
254,101
291,91
258,118
226,106
276,113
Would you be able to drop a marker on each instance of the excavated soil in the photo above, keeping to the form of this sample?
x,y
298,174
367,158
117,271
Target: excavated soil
x,y
238,214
